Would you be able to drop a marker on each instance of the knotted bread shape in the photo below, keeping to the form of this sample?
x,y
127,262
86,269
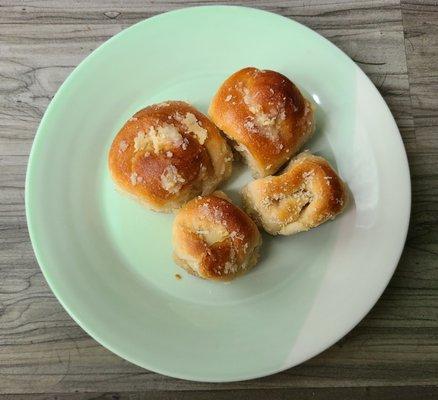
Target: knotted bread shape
x,y
265,116
214,239
168,153
307,194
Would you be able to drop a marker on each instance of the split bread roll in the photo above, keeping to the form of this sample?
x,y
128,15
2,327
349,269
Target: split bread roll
x,y
168,153
214,239
307,194
265,115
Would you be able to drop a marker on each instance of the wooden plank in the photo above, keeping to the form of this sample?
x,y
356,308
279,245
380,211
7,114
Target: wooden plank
x,y
421,27
349,393
316,13
420,19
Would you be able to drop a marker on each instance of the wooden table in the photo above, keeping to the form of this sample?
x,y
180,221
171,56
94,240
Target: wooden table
x,y
392,354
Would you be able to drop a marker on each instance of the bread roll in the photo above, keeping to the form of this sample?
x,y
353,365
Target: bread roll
x,y
307,194
168,153
214,239
265,115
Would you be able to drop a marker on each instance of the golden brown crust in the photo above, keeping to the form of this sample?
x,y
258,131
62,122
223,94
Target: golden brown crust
x,y
306,195
265,114
167,154
214,239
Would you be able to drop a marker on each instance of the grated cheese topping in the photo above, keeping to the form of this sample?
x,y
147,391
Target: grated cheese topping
x,y
123,146
327,180
163,135
185,144
193,126
171,180
133,178
230,268
236,235
266,123
158,139
140,141
250,125
308,174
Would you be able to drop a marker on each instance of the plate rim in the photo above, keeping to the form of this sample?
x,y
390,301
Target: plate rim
x,y
37,247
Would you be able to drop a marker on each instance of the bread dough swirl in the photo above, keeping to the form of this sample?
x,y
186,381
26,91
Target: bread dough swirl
x,y
168,153
214,239
265,116
307,194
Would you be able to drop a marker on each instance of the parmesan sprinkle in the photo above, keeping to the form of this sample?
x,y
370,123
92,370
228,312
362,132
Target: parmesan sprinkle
x,y
161,137
178,116
185,144
253,107
202,170
308,174
266,123
217,214
228,98
193,126
307,109
282,115
171,180
205,209
140,141
236,235
158,139
230,268
123,146
250,125
278,196
133,178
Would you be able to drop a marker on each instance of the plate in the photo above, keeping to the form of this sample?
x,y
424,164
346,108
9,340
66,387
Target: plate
x,y
109,261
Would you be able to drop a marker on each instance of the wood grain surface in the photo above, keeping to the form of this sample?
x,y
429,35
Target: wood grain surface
x,y
392,354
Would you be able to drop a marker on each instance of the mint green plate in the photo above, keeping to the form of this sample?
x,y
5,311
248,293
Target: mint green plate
x,y
109,261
